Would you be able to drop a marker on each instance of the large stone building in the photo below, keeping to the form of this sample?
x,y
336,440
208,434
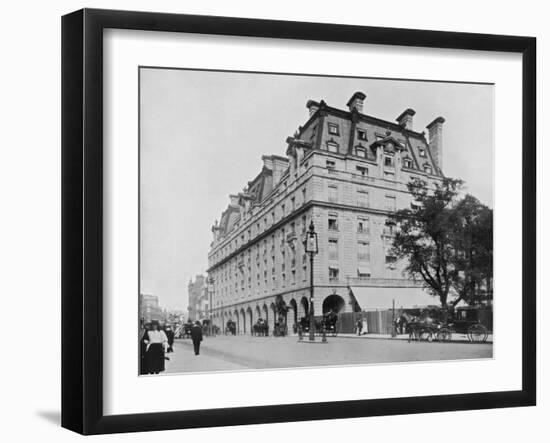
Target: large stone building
x,y
149,308
346,171
197,304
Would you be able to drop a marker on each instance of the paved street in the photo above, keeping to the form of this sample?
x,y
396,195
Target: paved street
x,y
233,353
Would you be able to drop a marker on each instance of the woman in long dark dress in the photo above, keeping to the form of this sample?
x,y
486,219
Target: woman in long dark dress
x,y
156,342
143,349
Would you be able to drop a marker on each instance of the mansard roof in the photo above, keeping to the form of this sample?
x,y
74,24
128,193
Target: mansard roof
x,y
384,142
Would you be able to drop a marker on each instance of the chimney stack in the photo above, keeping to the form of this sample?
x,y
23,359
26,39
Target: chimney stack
x,y
405,119
356,102
277,164
312,106
435,140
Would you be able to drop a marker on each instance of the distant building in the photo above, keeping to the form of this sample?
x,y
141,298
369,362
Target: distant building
x,y
197,299
347,172
149,308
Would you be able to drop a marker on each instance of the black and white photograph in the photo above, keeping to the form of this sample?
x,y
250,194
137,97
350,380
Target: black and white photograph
x,y
299,221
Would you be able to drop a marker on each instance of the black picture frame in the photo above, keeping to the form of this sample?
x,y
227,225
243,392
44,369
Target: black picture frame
x,y
82,218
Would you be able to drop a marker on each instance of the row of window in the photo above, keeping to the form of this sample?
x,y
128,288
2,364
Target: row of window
x,y
362,198
268,220
360,151
389,164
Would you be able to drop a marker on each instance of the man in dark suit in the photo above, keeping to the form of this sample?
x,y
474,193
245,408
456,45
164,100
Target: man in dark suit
x,y
196,336
170,335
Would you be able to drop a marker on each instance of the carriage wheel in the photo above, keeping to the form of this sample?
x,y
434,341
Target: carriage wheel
x,y
477,333
444,334
426,335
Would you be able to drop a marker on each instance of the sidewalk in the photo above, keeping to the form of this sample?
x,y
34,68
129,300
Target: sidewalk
x,y
455,338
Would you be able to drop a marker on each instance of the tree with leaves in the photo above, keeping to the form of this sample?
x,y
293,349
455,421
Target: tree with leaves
x,y
474,257
446,240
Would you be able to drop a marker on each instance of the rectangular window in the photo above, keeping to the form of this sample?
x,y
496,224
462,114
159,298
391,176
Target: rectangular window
x,y
389,203
388,161
304,224
428,169
333,249
362,198
332,147
362,134
360,152
407,163
331,164
333,273
390,260
333,128
292,204
333,194
363,225
303,195
421,152
333,223
363,251
416,205
362,170
389,175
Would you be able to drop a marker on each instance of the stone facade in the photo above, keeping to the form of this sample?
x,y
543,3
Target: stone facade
x,y
149,308
197,305
345,171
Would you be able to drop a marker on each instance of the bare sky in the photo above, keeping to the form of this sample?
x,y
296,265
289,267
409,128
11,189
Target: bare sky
x,y
203,135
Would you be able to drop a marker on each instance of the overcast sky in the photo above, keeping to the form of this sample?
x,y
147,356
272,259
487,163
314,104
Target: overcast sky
x,y
203,135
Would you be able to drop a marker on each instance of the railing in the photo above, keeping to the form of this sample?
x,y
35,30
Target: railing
x,y
383,282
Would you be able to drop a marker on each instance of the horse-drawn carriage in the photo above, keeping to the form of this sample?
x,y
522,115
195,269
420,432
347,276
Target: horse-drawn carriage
x,y
327,324
230,328
260,328
434,323
280,328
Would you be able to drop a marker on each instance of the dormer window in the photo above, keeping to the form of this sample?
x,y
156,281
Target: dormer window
x,y
428,169
421,152
362,134
389,161
407,163
333,129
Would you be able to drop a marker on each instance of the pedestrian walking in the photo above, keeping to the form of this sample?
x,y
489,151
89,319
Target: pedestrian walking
x,y
196,336
156,343
359,326
170,336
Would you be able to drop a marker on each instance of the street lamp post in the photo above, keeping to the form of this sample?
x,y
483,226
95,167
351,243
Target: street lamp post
x,y
311,247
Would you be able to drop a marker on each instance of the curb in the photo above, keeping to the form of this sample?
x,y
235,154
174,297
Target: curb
x,y
363,337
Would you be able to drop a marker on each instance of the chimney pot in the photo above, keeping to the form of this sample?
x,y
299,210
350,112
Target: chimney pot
x,y
435,140
405,119
313,107
356,102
